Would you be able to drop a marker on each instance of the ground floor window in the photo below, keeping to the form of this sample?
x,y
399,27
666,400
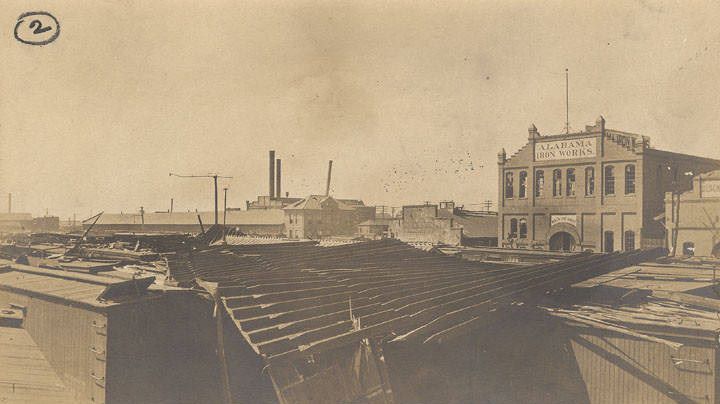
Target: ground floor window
x,y
689,248
629,240
608,242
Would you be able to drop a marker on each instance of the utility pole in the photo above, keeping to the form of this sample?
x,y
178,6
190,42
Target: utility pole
x,y
215,179
225,215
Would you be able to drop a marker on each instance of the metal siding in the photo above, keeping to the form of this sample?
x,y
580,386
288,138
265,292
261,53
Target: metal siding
x,y
619,369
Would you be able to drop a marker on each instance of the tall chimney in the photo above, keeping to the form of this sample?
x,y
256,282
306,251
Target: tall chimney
x,y
171,204
278,179
327,187
271,189
9,202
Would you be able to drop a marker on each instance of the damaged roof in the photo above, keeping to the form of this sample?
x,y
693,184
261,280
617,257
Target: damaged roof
x,y
289,300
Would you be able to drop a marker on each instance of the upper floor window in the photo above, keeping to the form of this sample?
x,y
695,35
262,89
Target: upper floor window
x,y
570,187
522,192
539,183
509,185
609,180
523,228
629,179
557,182
589,181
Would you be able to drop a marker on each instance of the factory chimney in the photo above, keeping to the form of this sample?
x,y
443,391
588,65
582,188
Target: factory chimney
x,y
327,187
271,190
278,173
9,202
171,204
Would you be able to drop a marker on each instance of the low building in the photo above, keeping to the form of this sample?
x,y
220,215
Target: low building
x,y
24,222
266,222
319,216
374,229
479,227
692,217
428,223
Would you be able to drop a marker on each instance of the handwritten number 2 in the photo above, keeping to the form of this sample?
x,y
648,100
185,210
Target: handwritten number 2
x,y
38,28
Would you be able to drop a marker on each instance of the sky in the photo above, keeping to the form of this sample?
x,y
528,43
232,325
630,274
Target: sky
x,y
412,100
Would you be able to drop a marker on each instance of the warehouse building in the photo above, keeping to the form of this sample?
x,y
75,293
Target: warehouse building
x,y
692,217
599,189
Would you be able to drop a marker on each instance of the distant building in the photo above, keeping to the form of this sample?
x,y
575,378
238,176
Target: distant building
x,y
266,202
599,189
24,222
693,217
428,223
375,229
266,222
320,216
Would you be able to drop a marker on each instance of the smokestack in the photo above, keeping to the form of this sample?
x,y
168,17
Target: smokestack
x,y
278,179
327,187
271,190
171,204
9,202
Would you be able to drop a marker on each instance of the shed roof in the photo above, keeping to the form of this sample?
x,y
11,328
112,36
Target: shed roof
x,y
234,217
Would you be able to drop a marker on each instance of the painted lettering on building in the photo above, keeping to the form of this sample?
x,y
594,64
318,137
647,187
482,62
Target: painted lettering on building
x,y
566,149
710,189
567,219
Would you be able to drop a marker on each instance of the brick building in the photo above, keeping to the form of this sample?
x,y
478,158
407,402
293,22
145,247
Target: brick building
x,y
599,189
692,217
320,216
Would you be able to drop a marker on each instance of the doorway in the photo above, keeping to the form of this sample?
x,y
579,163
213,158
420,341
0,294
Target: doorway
x,y
609,242
562,241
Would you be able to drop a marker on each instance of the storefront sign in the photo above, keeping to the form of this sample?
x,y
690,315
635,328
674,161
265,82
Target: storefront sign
x,y
568,219
566,149
710,189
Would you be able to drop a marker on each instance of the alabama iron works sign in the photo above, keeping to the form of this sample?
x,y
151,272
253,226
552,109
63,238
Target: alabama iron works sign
x,y
565,149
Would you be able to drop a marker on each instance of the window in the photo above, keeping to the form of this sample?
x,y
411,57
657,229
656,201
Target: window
x,y
539,183
522,192
557,182
509,185
629,179
523,228
629,240
689,248
609,180
513,227
609,241
570,187
589,181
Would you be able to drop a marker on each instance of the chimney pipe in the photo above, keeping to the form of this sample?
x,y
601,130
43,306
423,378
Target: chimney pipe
x,y
9,202
327,187
171,204
278,179
271,190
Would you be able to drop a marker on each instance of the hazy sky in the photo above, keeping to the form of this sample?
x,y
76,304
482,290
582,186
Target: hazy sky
x,y
412,100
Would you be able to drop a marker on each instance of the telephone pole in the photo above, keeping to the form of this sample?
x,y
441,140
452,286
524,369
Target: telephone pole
x,y
215,180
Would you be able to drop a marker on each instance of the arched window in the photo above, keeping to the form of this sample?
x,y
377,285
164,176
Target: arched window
x,y
513,227
608,242
589,181
523,228
570,187
689,248
629,240
557,182
629,179
609,180
522,192
509,191
539,183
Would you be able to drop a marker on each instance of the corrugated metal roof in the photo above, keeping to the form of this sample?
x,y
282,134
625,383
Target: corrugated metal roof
x,y
289,299
25,375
